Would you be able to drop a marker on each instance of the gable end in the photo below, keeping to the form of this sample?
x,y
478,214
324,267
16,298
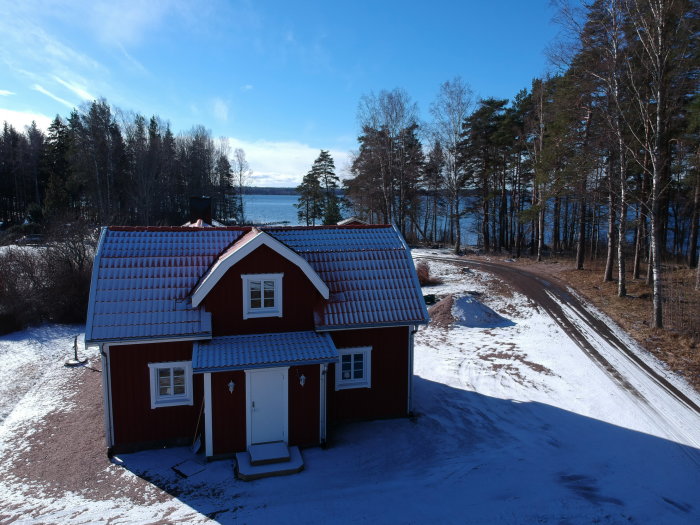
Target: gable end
x,y
237,253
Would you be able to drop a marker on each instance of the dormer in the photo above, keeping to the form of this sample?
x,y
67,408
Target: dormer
x,y
259,283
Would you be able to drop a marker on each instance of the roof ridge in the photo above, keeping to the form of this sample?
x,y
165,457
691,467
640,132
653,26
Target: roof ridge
x,y
189,229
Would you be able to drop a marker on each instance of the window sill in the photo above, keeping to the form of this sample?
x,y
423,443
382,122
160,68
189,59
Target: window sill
x,y
263,313
349,386
172,402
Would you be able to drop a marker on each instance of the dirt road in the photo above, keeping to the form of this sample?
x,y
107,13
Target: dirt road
x,y
599,341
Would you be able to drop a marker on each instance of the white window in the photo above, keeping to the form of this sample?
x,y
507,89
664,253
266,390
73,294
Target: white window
x,y
171,384
354,368
262,295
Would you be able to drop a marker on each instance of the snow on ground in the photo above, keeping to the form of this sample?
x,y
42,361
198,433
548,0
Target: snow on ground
x,y
23,359
514,424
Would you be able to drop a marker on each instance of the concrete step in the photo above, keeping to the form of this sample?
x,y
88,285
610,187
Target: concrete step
x,y
265,453
248,472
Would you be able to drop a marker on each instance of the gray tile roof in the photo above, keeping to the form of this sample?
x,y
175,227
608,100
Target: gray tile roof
x,y
369,271
143,277
238,352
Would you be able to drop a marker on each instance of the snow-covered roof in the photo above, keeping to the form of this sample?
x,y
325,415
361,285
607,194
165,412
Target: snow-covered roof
x,y
238,352
351,220
144,278
368,270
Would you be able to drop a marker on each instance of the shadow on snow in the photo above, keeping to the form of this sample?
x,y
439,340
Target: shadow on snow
x,y
465,457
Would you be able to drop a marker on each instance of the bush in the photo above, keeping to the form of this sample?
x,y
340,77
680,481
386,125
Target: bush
x,y
17,231
424,277
47,283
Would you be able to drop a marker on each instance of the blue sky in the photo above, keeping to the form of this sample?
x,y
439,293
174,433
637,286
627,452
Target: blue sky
x,y
280,79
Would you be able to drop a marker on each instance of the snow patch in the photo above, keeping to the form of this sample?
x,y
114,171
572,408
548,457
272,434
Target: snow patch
x,y
470,312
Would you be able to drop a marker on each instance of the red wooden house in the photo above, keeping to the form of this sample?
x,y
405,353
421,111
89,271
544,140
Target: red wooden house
x,y
251,335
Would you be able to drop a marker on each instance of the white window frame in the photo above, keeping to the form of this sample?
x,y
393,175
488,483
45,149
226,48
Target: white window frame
x,y
158,400
366,381
276,310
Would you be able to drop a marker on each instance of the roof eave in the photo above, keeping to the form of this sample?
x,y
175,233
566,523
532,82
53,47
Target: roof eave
x,y
265,365
205,336
93,284
359,326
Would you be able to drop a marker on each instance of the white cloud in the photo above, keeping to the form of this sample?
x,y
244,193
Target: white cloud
x,y
75,88
220,109
135,64
125,22
283,164
247,87
37,87
5,93
19,119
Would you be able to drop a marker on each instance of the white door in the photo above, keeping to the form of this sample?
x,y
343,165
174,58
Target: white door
x,y
267,405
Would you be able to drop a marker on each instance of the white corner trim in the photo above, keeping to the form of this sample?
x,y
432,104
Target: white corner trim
x,y
107,395
323,371
222,266
208,412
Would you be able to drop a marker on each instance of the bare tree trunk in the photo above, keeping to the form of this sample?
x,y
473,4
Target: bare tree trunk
x,y
610,258
581,239
638,244
540,227
556,226
693,238
458,227
622,224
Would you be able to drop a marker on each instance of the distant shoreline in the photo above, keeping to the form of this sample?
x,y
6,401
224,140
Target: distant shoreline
x,y
266,190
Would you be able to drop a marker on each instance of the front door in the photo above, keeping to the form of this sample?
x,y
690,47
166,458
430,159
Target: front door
x,y
267,405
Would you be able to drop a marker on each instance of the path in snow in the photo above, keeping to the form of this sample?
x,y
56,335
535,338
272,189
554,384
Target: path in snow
x,y
671,405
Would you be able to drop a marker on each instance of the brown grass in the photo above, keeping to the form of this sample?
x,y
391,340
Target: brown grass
x,y
424,277
678,344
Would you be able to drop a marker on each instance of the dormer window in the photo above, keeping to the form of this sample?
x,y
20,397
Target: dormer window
x,y
262,295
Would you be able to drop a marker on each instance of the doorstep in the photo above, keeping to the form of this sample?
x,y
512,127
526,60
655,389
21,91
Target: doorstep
x,y
247,471
265,453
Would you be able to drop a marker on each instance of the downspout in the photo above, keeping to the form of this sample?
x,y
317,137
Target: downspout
x,y
107,395
411,332
322,407
208,418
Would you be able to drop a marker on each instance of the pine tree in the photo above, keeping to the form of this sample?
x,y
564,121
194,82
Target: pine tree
x,y
324,170
311,197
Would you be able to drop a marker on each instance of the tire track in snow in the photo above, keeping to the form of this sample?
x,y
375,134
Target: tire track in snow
x,y
583,327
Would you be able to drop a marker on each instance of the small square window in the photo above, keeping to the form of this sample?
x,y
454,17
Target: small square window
x,y
354,368
171,384
262,295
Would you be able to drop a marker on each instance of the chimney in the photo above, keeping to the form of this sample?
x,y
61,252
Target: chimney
x,y
200,208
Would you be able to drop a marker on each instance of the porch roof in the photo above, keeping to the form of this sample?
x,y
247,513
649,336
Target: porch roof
x,y
239,352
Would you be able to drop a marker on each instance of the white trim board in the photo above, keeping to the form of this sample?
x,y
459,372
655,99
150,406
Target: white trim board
x,y
227,261
208,418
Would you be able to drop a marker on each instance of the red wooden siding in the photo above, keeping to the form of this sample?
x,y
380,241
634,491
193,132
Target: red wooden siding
x,y
299,297
388,395
135,422
304,405
228,412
